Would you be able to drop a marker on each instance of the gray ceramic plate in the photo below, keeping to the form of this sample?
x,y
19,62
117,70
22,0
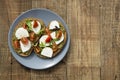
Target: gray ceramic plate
x,y
33,61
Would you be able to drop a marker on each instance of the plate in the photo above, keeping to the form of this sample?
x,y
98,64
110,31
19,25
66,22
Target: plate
x,y
33,61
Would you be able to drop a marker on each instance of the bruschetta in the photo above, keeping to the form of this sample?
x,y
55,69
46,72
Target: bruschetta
x,y
26,34
52,41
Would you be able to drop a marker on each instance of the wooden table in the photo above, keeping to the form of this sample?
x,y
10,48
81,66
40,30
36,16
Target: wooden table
x,y
94,53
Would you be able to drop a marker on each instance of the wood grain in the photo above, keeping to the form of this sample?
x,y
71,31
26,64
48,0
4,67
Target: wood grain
x,y
5,56
94,52
85,43
109,55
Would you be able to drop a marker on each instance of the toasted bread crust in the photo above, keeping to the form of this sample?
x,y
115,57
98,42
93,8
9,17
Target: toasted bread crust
x,y
25,54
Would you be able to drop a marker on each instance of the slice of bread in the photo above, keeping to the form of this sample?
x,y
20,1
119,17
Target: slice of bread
x,y
41,30
57,48
61,45
37,36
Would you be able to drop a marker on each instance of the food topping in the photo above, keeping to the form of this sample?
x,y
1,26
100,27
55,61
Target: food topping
x,y
59,34
24,40
37,49
57,37
32,36
35,24
25,26
16,44
48,39
47,31
54,47
25,47
21,32
54,25
47,51
43,40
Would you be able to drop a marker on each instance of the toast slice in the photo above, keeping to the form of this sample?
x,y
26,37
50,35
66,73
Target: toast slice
x,y
33,31
25,31
55,44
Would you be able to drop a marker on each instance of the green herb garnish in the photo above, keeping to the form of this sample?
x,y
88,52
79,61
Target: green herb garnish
x,y
42,44
56,39
41,32
28,22
51,42
62,28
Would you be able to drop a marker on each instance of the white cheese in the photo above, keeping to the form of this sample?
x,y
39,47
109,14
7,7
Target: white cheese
x,y
24,47
53,35
37,29
21,32
60,40
54,24
42,40
47,51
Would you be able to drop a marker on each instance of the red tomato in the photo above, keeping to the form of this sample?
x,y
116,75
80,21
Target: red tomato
x,y
32,36
35,24
24,40
16,44
48,39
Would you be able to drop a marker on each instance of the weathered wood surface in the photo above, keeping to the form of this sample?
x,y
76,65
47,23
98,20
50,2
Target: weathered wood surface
x,y
94,53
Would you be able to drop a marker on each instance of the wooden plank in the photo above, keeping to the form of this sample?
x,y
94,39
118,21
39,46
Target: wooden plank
x,y
109,50
117,39
15,8
73,59
39,3
5,56
116,44
84,59
59,71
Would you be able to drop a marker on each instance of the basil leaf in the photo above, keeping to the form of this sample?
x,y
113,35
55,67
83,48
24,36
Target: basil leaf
x,y
62,28
28,22
51,42
42,44
56,39
41,31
